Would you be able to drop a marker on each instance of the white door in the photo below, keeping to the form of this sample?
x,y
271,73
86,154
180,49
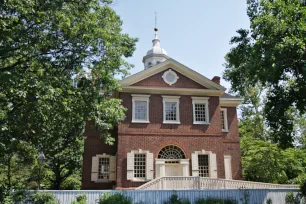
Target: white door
x,y
173,170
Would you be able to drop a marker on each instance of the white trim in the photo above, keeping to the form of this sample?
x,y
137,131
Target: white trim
x,y
196,167
225,119
165,77
230,102
139,151
103,156
176,66
175,99
142,98
163,90
200,100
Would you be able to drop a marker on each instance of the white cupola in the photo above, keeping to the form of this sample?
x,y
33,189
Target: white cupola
x,y
156,54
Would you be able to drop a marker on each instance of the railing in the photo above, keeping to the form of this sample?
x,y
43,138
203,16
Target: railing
x,y
192,182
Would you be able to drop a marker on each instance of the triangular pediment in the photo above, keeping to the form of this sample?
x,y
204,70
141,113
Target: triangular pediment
x,y
187,78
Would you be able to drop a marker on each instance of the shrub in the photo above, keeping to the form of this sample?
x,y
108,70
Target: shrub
x,y
269,201
303,187
42,198
290,198
174,199
117,198
215,201
80,199
71,183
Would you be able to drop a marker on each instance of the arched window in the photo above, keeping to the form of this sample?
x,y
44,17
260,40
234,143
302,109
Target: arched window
x,y
171,152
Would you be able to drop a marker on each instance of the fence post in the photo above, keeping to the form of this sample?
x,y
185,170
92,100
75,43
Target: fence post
x,y
199,182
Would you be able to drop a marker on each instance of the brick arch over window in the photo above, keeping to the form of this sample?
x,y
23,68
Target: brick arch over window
x,y
171,152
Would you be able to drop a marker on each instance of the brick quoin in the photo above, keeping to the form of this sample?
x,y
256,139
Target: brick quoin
x,y
155,135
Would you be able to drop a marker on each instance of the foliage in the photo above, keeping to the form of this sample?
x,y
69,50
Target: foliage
x,y
272,54
43,198
216,201
174,199
119,198
269,201
246,197
80,199
44,47
303,188
289,199
73,182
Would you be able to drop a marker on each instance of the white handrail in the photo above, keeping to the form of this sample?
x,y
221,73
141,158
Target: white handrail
x,y
195,182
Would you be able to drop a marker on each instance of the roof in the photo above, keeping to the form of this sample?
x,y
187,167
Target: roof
x,y
228,96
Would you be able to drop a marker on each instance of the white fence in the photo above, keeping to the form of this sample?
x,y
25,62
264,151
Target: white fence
x,y
256,196
192,182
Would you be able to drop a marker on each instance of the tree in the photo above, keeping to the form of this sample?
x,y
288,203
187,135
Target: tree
x,y
43,47
272,53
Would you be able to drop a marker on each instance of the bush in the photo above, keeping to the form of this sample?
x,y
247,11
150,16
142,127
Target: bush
x,y
290,198
215,201
71,183
42,198
117,198
80,199
269,201
174,199
303,187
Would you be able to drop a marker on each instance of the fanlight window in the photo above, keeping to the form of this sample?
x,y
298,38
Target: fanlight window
x,y
171,152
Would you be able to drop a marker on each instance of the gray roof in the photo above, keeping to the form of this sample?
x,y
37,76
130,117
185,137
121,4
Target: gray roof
x,y
228,96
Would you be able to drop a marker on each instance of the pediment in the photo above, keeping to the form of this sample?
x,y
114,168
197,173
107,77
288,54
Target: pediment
x,y
187,78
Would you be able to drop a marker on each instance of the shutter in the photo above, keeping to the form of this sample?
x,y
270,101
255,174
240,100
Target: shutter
x,y
112,168
228,167
195,164
130,166
213,165
94,168
149,166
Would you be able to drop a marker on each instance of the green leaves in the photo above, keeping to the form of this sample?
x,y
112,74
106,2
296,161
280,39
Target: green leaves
x,y
271,53
44,45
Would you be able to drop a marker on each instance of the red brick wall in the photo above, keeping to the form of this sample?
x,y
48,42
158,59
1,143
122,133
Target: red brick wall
x,y
93,145
157,81
156,125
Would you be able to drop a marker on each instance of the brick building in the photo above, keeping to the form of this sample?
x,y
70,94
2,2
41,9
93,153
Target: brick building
x,y
178,123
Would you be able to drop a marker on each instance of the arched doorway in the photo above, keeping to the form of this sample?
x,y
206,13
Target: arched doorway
x,y
171,161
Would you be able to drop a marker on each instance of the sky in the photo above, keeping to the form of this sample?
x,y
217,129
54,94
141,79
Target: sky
x,y
196,33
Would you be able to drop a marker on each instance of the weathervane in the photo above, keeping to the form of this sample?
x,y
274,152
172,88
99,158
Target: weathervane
x,y
155,29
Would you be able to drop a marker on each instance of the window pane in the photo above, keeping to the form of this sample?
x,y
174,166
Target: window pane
x,y
200,114
140,110
203,166
140,165
222,120
103,168
171,110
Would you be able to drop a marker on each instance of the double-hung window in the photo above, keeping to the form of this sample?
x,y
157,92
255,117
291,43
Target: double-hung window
x,y
139,165
140,110
200,110
171,110
224,122
103,168
203,165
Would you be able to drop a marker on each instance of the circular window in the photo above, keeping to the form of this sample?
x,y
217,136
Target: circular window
x,y
171,152
170,77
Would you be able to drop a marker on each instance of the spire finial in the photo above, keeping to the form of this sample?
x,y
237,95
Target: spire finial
x,y
156,29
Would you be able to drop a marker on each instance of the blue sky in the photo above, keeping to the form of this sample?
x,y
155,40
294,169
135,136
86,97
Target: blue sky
x,y
196,33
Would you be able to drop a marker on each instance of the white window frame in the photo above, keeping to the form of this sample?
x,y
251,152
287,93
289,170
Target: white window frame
x,y
200,100
97,180
141,98
212,162
224,110
149,166
171,99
